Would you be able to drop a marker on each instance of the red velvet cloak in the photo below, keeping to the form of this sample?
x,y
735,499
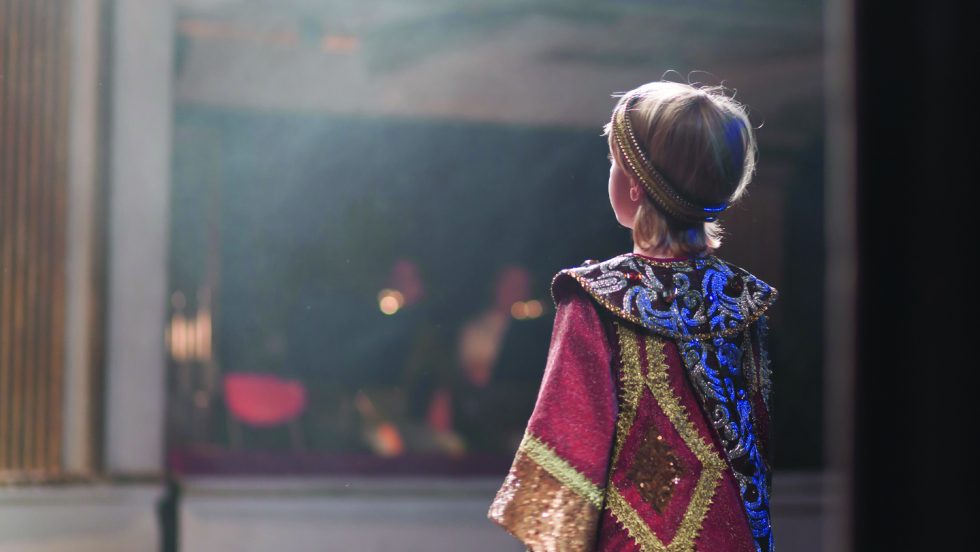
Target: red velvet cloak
x,y
619,453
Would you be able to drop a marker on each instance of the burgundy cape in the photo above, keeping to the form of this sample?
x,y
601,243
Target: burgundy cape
x,y
650,430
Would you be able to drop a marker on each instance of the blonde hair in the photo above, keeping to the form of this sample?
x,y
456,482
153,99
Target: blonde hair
x,y
702,142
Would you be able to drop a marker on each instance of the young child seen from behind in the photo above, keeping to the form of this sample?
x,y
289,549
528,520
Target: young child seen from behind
x,y
651,426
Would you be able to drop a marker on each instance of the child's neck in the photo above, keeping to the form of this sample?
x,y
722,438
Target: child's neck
x,y
659,253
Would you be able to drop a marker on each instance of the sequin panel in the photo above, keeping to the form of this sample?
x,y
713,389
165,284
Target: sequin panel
x,y
656,470
545,515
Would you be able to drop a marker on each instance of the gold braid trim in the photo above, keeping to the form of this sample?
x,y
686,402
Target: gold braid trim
x,y
653,181
632,387
548,459
712,465
632,522
636,166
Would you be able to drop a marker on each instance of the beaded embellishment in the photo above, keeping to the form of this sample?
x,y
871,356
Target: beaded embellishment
x,y
701,298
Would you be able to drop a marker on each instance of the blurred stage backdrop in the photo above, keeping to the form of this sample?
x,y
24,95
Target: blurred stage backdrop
x,y
262,256
369,201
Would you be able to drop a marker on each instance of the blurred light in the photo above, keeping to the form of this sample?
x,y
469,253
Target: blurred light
x,y
526,309
388,304
178,337
382,436
388,440
189,338
390,300
202,327
518,310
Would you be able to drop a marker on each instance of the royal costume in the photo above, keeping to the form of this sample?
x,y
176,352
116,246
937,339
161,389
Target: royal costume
x,y
650,429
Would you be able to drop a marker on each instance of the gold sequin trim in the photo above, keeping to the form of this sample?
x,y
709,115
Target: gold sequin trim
x,y
562,470
542,512
664,264
632,388
711,464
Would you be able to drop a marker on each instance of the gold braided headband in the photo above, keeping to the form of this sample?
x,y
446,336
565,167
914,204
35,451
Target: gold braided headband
x,y
655,184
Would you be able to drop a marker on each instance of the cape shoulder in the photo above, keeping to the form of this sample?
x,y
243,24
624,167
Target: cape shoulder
x,y
697,298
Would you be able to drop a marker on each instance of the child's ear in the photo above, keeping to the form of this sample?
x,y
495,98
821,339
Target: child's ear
x,y
634,192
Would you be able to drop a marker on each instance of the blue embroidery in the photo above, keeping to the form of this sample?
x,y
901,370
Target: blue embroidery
x,y
714,369
704,296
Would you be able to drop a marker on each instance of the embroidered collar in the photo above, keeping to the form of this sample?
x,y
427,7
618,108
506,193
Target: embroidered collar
x,y
700,297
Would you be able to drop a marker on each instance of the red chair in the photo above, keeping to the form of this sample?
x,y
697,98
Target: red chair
x,y
265,400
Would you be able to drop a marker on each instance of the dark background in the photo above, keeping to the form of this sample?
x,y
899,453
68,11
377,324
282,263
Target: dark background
x,y
915,474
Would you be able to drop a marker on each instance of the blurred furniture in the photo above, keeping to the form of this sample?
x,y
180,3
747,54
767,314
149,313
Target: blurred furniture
x,y
264,400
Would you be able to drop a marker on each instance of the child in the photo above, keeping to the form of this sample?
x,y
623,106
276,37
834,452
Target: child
x,y
650,430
